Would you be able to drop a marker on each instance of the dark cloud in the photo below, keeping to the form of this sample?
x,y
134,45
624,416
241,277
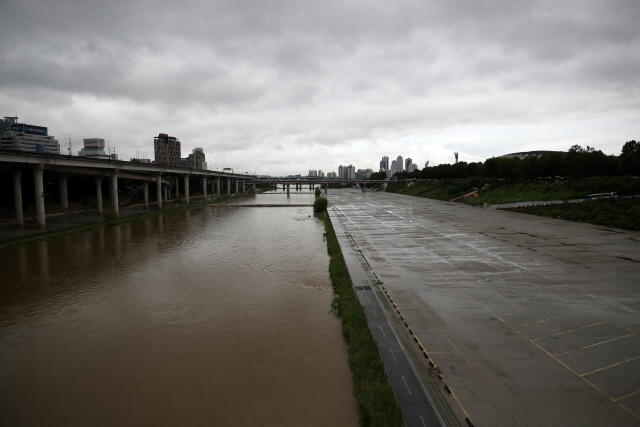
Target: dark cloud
x,y
247,77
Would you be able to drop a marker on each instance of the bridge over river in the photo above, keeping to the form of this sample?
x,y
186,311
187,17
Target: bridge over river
x,y
167,179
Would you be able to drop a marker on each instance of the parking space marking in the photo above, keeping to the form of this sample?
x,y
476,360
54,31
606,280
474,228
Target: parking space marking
x,y
610,366
565,332
593,345
546,320
625,396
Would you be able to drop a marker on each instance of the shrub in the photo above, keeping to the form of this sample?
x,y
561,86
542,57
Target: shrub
x,y
318,192
320,205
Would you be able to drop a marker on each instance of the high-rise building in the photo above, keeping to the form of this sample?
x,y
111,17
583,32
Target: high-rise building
x,y
414,168
399,164
313,174
320,174
167,150
23,137
331,175
364,173
394,167
384,163
408,164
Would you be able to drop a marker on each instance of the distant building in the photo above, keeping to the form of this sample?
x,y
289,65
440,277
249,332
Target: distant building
x,y
93,147
346,172
414,168
394,167
364,173
399,164
523,154
313,174
384,163
195,160
24,137
426,164
167,150
332,175
320,174
408,164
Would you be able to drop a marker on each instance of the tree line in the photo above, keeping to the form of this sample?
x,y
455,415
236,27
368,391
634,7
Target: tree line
x,y
575,164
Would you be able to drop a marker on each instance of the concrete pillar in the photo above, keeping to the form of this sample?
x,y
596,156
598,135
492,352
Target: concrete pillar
x,y
177,187
98,180
213,184
229,187
166,193
63,194
362,185
186,189
325,188
236,186
204,188
114,193
145,191
17,197
218,186
288,186
38,174
159,190
244,186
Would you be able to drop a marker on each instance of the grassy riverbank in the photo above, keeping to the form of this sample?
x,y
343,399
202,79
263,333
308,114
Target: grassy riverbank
x,y
608,212
501,191
374,395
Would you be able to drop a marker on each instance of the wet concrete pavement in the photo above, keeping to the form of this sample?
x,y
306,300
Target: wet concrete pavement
x,y
532,321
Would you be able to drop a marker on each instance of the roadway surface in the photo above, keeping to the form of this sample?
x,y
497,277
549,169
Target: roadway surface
x,y
531,321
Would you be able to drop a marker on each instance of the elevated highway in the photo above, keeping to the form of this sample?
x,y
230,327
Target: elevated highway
x,y
166,178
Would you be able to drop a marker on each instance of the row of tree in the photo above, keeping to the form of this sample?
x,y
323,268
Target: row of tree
x,y
577,163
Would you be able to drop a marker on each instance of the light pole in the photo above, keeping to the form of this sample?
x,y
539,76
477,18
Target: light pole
x,y
68,136
137,152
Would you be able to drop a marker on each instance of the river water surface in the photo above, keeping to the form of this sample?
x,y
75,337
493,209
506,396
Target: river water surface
x,y
212,316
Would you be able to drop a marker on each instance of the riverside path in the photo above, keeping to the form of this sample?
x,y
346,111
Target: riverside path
x,y
530,321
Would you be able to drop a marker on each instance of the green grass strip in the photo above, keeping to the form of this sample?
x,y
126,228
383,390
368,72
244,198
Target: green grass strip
x,y
374,395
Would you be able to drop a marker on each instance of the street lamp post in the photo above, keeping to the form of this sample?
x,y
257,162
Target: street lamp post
x,y
68,136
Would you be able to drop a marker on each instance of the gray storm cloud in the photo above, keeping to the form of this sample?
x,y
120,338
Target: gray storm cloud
x,y
357,79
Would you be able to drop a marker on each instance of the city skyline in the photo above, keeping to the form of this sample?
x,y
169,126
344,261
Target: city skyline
x,y
273,88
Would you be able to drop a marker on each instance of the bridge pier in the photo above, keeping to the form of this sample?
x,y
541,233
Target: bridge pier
x,y
17,197
186,189
228,187
362,185
204,188
38,173
288,187
166,194
236,186
244,185
98,180
213,185
325,188
177,182
159,191
145,192
114,192
218,187
63,195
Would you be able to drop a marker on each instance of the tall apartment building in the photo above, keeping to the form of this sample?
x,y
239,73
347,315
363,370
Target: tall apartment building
x,y
313,173
24,137
167,150
346,172
384,163
332,175
408,164
399,164
320,174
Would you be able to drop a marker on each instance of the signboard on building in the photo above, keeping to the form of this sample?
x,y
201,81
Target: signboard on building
x,y
29,129
94,143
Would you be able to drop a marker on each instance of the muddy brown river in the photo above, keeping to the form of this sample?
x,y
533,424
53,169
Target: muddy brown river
x,y
213,316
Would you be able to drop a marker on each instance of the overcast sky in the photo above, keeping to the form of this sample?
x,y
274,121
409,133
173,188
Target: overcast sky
x,y
284,87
